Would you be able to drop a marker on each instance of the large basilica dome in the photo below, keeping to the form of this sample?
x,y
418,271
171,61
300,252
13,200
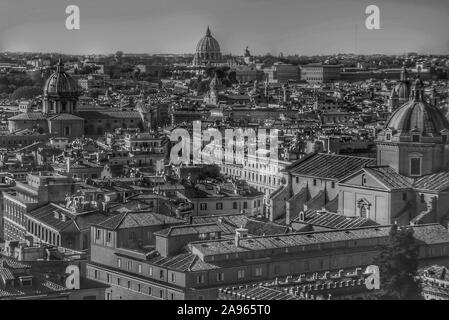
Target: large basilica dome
x,y
207,50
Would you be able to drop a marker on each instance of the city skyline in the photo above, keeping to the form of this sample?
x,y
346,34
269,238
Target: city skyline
x,y
287,26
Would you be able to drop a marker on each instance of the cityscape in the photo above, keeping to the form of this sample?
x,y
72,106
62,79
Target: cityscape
x,y
213,175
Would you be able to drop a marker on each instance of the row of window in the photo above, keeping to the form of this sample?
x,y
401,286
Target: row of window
x,y
219,205
159,293
129,265
315,182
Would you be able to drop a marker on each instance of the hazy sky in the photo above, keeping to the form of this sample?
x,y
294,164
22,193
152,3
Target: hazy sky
x,y
175,26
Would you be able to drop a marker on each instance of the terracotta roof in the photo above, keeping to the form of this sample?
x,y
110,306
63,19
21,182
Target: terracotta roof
x,y
389,177
137,219
182,262
426,234
109,115
65,116
29,116
433,182
329,166
259,292
333,220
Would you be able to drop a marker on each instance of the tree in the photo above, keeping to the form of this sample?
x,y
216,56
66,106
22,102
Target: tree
x,y
26,92
398,264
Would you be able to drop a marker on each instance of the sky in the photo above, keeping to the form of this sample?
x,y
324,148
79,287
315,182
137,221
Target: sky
x,y
303,27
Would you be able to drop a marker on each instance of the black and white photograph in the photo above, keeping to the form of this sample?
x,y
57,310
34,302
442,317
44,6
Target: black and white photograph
x,y
239,157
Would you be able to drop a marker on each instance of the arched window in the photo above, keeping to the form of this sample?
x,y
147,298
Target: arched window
x,y
363,211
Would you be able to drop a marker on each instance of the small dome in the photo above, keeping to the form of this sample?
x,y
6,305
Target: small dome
x,y
401,90
61,83
417,114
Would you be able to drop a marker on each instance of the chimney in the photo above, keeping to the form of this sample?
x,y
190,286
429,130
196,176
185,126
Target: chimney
x,y
63,217
239,234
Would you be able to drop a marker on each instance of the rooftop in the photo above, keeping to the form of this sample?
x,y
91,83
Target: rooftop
x,y
333,220
427,234
328,166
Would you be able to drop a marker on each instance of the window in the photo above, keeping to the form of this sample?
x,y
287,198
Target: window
x,y
129,284
245,205
161,294
415,166
139,287
220,276
333,185
415,138
172,296
200,279
306,266
130,265
363,180
314,182
444,138
161,274
173,277
95,274
119,262
241,274
219,206
404,196
234,205
98,236
108,277
109,236
139,268
277,269
423,200
363,211
258,272
203,206
118,281
388,137
149,291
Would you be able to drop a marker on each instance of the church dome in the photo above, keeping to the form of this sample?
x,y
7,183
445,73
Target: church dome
x,y
207,49
417,114
61,83
401,90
